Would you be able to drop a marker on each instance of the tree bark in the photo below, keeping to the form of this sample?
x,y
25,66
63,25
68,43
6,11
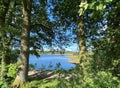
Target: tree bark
x,y
3,53
82,39
81,36
82,47
22,75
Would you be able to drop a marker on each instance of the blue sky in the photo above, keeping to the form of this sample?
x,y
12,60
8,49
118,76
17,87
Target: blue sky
x,y
73,47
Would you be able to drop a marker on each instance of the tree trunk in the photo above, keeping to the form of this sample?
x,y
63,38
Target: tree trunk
x,y
81,36
2,56
82,39
82,47
3,50
22,75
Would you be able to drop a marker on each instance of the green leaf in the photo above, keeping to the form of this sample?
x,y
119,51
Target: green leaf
x,y
83,8
80,11
12,3
108,0
100,6
91,5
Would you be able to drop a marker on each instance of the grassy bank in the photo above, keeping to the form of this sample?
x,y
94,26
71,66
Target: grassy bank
x,y
74,58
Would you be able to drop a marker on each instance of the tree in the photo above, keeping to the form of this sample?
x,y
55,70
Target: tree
x,y
4,6
24,50
34,34
103,16
66,14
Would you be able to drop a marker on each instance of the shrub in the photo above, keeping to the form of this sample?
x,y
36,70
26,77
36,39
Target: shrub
x,y
3,84
13,69
106,80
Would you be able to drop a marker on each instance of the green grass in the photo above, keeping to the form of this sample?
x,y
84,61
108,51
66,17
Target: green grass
x,y
42,84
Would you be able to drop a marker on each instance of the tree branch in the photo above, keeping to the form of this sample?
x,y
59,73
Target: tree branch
x,y
41,25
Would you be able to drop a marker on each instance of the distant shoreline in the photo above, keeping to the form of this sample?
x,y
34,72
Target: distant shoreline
x,y
73,59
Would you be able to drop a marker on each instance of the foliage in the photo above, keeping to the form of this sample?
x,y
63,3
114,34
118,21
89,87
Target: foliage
x,y
65,16
93,5
102,21
106,80
101,79
32,67
13,69
3,84
41,84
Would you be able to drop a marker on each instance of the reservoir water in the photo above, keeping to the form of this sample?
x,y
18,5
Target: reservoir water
x,y
51,62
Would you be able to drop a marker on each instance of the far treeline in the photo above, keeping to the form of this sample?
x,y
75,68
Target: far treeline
x,y
58,52
27,26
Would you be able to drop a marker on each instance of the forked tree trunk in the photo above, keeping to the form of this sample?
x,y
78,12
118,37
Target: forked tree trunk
x,y
22,75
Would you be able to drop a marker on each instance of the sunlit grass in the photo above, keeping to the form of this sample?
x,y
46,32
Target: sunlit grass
x,y
74,58
42,84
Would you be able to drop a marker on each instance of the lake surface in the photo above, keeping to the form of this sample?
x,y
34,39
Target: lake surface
x,y
51,62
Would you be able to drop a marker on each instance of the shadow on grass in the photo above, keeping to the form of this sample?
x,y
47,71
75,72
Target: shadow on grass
x,y
39,75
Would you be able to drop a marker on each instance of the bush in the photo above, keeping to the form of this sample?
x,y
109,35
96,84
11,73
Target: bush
x,y
3,84
13,69
106,80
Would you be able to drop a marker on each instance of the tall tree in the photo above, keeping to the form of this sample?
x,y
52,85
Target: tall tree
x,y
4,6
35,33
66,14
24,50
82,35
104,19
